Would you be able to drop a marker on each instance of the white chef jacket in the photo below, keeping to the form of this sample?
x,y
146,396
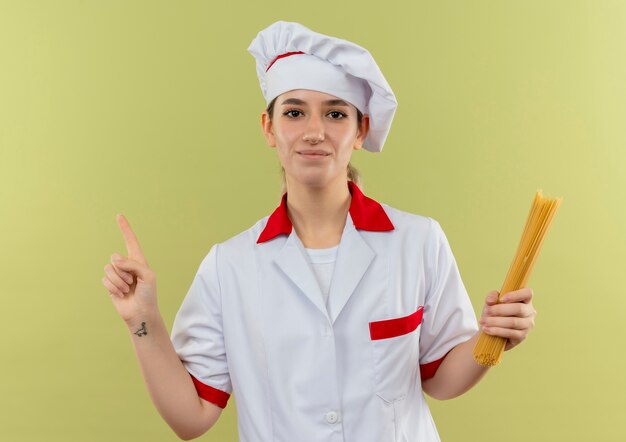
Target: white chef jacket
x,y
254,324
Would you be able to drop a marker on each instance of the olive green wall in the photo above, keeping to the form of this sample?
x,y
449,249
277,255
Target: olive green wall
x,y
151,109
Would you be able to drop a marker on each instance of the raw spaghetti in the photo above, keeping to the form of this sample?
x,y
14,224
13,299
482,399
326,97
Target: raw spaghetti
x,y
489,349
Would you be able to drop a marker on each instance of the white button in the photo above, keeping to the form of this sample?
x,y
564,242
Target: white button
x,y
326,330
332,417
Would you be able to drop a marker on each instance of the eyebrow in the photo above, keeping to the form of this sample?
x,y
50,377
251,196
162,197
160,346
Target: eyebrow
x,y
334,102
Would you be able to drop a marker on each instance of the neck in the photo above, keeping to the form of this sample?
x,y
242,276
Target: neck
x,y
318,214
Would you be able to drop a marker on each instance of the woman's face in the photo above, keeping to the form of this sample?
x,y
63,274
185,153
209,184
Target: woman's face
x,y
314,134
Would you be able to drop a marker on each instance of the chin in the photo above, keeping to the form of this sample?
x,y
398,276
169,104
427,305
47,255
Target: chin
x,y
314,180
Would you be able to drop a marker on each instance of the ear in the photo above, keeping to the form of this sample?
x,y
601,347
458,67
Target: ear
x,y
362,132
268,129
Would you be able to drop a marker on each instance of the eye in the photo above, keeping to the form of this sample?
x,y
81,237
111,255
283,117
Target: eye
x,y
289,113
337,115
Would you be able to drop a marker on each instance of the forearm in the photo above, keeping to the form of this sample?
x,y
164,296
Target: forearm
x,y
457,373
169,384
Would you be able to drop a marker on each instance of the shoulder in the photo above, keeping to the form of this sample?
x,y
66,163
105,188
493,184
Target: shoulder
x,y
233,252
418,233
409,222
245,240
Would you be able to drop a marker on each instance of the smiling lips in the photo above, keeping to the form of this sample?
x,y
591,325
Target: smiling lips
x,y
314,153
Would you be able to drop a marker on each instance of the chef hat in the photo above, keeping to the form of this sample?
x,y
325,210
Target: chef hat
x,y
291,56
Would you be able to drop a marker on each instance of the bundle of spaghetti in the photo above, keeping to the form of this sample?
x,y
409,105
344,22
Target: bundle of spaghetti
x,y
489,349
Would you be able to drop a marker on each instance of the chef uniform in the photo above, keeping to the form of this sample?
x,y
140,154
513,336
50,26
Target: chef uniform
x,y
326,345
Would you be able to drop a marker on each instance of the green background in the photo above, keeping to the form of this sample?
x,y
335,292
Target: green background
x,y
152,109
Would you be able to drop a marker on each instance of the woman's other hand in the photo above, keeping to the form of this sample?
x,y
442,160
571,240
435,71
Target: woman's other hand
x,y
511,318
131,283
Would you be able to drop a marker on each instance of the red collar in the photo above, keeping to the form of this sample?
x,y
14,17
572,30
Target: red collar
x,y
366,214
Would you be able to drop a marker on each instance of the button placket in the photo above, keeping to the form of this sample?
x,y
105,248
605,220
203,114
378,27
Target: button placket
x,y
326,330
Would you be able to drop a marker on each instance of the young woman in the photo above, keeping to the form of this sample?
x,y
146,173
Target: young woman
x,y
331,317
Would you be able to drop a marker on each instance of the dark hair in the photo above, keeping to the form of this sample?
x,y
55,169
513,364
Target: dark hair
x,y
353,173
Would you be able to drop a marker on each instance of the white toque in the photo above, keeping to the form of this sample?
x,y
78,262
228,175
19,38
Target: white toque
x,y
291,56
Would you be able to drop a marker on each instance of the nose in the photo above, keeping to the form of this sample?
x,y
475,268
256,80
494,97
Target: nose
x,y
314,130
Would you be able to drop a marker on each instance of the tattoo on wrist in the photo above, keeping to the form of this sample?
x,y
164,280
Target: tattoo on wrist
x,y
142,331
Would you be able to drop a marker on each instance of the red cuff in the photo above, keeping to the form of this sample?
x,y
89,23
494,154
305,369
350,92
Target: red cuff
x,y
213,395
429,369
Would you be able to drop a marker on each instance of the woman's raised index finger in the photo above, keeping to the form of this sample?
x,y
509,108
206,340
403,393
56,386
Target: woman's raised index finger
x,y
132,243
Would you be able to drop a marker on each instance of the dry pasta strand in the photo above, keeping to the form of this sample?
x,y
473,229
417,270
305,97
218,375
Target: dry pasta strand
x,y
489,349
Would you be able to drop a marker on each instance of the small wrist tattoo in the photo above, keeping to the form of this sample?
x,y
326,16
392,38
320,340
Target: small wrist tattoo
x,y
142,331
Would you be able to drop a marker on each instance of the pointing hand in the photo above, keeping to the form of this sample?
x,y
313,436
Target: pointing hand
x,y
129,280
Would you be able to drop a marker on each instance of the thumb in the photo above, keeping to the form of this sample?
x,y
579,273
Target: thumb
x,y
492,297
130,265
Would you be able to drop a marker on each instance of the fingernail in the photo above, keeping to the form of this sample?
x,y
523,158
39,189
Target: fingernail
x,y
118,261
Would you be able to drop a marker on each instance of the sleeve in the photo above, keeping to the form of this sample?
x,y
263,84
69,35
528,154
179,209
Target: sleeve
x,y
449,317
197,334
